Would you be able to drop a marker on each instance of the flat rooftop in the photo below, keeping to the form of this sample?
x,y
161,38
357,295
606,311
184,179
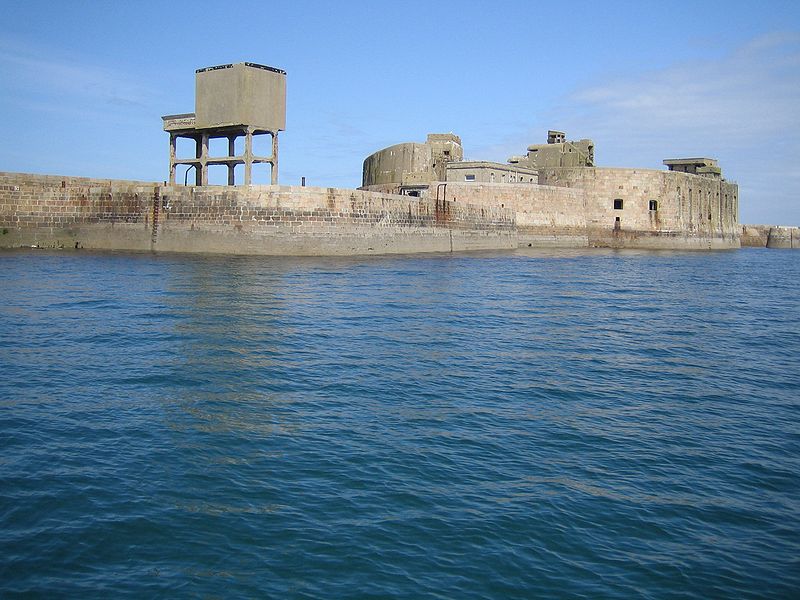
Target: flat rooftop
x,y
246,64
710,162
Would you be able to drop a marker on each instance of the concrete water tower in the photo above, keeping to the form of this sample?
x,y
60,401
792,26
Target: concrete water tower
x,y
231,101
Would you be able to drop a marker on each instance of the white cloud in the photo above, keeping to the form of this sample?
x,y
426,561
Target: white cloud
x,y
743,108
753,91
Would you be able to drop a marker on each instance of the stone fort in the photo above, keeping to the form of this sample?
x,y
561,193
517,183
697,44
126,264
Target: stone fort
x,y
415,197
560,197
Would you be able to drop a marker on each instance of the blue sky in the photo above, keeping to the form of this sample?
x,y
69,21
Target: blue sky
x,y
83,84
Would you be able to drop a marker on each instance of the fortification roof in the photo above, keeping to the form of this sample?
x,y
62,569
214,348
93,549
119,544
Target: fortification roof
x,y
700,162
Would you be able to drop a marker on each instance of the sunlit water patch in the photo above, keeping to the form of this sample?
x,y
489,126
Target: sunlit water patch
x,y
533,424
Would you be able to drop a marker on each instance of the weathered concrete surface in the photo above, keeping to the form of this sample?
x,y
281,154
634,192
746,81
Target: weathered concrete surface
x,y
412,163
546,216
557,152
692,212
69,212
755,236
482,171
689,207
241,94
231,101
783,237
644,208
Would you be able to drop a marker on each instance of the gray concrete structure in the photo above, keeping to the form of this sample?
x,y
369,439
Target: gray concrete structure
x,y
557,152
707,167
647,208
481,171
407,168
412,163
231,101
569,201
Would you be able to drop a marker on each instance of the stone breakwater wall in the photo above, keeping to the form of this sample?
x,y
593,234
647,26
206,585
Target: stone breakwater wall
x,y
784,237
75,212
755,236
545,215
771,236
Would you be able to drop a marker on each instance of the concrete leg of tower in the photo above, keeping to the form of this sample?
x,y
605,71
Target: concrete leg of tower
x,y
274,179
248,157
231,165
204,160
198,153
172,151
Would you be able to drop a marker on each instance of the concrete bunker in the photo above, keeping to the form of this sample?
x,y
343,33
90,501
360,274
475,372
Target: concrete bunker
x,y
439,159
557,152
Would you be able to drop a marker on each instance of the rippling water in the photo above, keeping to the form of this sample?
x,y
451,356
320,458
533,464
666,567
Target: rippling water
x,y
566,424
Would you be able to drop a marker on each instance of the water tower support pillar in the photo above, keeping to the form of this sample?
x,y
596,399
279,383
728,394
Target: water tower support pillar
x,y
274,179
248,157
231,165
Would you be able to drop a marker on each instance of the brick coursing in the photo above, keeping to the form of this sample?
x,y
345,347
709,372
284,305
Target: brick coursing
x,y
42,202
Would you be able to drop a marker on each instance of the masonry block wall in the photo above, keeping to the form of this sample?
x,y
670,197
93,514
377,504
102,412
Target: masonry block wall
x,y
755,236
72,212
648,208
579,207
45,210
545,215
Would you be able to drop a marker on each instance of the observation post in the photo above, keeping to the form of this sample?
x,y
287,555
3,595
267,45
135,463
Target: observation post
x,y
231,101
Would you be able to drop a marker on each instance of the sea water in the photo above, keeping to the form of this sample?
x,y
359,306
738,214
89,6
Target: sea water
x,y
592,424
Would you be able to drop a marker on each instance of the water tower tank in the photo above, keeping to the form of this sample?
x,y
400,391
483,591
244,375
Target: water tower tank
x,y
241,94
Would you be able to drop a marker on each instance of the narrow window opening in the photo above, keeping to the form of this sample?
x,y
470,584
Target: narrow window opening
x,y
654,205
